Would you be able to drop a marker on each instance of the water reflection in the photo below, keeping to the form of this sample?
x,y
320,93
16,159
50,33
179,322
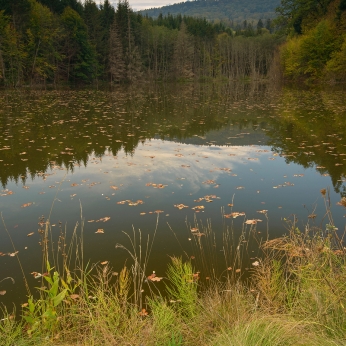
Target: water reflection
x,y
43,131
209,146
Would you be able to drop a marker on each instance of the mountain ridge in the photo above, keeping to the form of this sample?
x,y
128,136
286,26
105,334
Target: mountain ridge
x,y
235,11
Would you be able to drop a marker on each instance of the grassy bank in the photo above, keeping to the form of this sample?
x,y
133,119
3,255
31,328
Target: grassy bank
x,y
295,295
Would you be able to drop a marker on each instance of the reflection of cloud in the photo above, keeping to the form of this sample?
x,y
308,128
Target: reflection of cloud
x,y
165,162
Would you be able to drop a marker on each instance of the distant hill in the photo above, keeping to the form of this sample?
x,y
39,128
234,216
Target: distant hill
x,y
235,11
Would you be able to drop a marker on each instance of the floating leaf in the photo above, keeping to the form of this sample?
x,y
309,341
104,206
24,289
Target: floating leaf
x,y
180,206
100,230
30,234
252,222
234,215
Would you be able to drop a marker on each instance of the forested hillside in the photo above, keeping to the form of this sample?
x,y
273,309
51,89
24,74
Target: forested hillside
x,y
316,46
229,11
64,41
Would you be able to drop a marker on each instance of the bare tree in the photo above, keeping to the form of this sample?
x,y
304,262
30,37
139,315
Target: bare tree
x,y
116,58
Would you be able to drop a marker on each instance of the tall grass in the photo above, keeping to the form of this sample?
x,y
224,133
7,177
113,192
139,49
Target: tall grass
x,y
294,295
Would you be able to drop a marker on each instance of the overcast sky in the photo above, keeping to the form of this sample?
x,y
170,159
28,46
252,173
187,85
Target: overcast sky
x,y
143,4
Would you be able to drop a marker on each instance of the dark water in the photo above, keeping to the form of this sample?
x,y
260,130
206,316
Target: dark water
x,y
134,155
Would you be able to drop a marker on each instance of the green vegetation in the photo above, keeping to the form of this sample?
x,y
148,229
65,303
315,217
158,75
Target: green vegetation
x,y
66,42
230,12
315,49
295,295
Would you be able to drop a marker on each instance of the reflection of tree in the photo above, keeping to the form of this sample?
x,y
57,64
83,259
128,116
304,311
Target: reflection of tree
x,y
64,129
47,130
310,132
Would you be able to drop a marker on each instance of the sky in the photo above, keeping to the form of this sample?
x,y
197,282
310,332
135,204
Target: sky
x,y
144,4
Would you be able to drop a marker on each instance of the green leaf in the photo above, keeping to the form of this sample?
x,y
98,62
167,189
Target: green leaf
x,y
58,299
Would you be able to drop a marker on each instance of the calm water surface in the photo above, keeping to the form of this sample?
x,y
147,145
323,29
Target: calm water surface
x,y
168,157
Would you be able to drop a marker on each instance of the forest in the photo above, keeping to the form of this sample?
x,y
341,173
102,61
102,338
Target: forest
x,y
46,42
315,49
230,12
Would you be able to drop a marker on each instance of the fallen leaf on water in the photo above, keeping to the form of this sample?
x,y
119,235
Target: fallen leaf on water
x,y
13,254
252,222
153,277
114,187
26,205
262,211
210,182
234,215
30,234
198,207
2,293
104,262
156,278
37,275
103,219
100,230
180,206
238,270
198,234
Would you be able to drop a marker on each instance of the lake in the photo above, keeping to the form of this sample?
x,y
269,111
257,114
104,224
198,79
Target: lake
x,y
179,159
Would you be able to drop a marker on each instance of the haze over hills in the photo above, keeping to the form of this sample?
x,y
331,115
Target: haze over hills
x,y
220,10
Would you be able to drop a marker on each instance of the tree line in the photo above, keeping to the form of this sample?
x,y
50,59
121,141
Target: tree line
x,y
65,41
228,11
